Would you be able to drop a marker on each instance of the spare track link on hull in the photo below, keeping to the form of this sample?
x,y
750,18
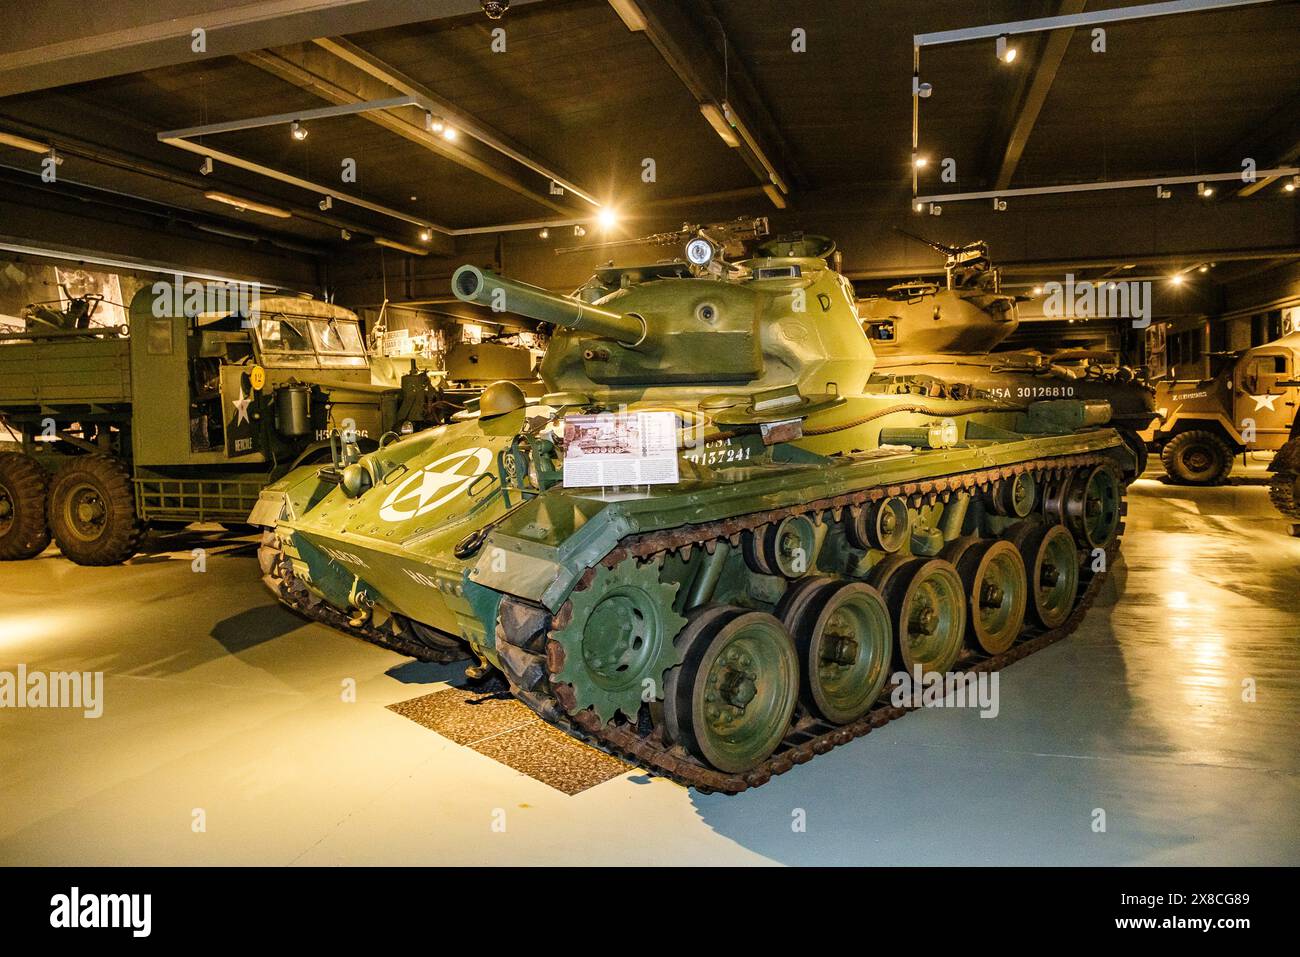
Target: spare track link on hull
x,y
807,737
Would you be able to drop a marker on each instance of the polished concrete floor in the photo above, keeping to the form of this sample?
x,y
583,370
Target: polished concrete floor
x,y
223,709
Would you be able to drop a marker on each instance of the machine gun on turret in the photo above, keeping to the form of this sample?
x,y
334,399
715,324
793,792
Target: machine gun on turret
x,y
968,266
728,237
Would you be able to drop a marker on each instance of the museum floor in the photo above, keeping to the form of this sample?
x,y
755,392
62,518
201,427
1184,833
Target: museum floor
x,y
218,700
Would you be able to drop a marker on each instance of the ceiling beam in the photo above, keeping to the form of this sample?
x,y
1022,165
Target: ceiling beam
x,y
391,76
1040,84
693,44
128,36
321,72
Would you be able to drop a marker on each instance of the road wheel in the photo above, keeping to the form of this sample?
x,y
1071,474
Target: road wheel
x,y
1284,490
92,511
23,530
1197,458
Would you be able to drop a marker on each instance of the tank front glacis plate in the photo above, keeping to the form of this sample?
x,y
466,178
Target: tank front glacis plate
x,y
395,543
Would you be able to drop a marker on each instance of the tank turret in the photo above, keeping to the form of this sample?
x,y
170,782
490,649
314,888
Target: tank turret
x,y
714,539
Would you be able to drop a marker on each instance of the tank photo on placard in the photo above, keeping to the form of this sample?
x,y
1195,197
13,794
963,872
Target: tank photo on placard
x,y
714,539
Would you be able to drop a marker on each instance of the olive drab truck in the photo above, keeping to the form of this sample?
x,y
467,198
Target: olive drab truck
x,y
181,416
711,542
1249,406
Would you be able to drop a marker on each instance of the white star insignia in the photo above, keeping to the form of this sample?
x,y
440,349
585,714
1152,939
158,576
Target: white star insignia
x,y
241,406
1264,402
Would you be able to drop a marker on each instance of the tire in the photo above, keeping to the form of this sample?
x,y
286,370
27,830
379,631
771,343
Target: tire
x,y
1197,458
24,532
92,511
1138,448
1284,490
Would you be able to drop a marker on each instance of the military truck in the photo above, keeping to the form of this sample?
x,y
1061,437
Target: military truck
x,y
182,416
951,333
1249,405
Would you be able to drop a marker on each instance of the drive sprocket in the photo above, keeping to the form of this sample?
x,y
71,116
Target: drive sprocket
x,y
618,641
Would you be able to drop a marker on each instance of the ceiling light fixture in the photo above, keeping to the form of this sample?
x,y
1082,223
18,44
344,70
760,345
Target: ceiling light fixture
x,y
23,143
920,162
426,235
251,206
1204,190
401,247
298,131
433,124
713,114
1006,53
326,203
208,166
607,218
579,230
449,133
544,234
1292,183
1176,279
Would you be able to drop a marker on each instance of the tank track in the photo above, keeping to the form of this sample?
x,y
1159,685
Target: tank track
x,y
1282,488
808,736
529,664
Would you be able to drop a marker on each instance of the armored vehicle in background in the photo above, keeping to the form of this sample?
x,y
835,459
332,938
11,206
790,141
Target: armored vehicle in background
x,y
176,418
1250,405
950,333
711,542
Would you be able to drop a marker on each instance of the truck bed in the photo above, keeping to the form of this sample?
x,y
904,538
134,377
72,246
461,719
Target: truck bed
x,y
68,371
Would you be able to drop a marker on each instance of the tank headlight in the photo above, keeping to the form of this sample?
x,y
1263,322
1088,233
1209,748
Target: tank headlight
x,y
700,252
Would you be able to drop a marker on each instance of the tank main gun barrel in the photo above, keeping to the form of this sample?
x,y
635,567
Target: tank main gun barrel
x,y
471,284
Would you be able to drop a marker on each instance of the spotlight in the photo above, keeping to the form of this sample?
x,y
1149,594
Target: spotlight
x,y
433,124
426,235
1203,268
495,9
1176,279
326,203
1204,190
1292,183
544,234
298,131
607,218
208,166
449,133
919,207
346,234
920,162
1038,290
579,230
1006,53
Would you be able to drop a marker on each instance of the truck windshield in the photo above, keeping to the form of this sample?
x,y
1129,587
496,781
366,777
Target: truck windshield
x,y
337,338
282,334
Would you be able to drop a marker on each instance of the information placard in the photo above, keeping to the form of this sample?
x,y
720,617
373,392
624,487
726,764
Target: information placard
x,y
635,448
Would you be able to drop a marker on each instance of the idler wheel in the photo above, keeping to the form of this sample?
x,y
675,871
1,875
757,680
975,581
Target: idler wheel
x,y
731,701
844,638
997,591
1093,509
1051,560
885,525
927,608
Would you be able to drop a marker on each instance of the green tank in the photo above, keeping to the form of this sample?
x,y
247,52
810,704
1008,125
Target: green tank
x,y
710,544
952,333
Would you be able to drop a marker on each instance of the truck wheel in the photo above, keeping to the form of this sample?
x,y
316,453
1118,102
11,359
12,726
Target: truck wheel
x,y
92,511
1138,448
1284,490
1197,458
23,530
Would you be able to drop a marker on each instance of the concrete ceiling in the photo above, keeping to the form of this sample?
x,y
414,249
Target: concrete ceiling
x,y
579,93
